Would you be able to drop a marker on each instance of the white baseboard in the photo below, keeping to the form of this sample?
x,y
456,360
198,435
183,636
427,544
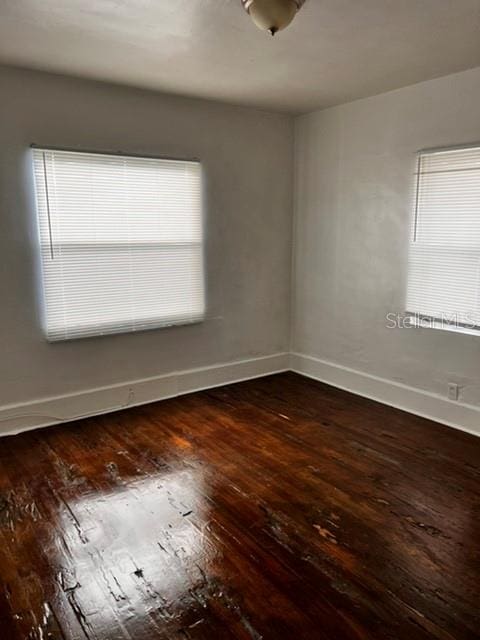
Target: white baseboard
x,y
461,416
65,408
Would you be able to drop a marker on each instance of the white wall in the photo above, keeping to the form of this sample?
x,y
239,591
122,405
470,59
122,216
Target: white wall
x,y
354,178
247,156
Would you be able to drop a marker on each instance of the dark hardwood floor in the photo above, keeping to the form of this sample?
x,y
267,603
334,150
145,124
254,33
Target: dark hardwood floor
x,y
274,508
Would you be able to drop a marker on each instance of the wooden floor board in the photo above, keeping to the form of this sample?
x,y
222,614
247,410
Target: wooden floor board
x,y
274,508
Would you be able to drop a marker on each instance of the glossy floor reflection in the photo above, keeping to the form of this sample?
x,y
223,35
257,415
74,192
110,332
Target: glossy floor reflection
x,y
145,542
276,508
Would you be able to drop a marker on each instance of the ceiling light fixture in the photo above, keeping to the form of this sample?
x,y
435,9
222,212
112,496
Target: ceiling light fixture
x,y
272,15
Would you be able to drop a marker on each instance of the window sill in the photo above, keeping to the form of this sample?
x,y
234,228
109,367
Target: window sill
x,y
438,325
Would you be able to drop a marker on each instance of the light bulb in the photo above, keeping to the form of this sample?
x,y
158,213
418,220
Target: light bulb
x,y
272,15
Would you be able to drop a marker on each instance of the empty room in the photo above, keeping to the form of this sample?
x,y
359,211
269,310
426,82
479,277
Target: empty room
x,y
239,320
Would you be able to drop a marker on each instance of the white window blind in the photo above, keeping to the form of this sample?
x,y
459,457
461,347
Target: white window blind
x,y
121,242
444,265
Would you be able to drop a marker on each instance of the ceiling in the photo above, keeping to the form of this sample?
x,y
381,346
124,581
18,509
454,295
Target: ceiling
x,y
334,51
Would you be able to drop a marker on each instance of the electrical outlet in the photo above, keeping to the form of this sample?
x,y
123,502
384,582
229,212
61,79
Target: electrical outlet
x,y
453,391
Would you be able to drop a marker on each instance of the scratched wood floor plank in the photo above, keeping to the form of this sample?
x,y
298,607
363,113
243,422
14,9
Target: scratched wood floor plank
x,y
274,508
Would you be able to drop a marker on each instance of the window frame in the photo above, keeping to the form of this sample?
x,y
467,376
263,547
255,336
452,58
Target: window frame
x,y
422,320
121,329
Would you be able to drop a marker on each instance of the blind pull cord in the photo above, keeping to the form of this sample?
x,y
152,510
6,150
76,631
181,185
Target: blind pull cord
x,y
48,206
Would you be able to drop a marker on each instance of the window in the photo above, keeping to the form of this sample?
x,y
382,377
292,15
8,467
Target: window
x,y
444,265
121,242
